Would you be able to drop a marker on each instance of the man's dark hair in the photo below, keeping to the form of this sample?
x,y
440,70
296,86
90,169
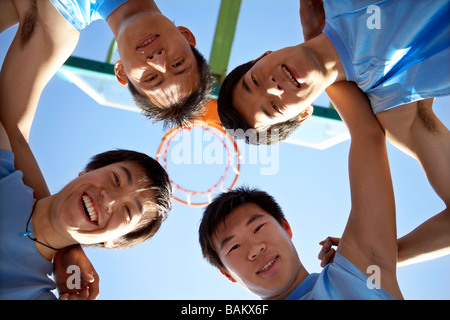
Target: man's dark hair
x,y
237,127
186,110
217,211
160,184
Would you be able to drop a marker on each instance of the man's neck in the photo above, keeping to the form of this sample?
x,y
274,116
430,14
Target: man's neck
x,y
44,231
327,57
302,274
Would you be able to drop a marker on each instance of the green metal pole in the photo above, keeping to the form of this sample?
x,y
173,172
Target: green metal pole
x,y
112,49
223,38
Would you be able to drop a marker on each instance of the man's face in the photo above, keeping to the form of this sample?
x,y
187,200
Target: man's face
x,y
257,251
156,56
104,204
280,86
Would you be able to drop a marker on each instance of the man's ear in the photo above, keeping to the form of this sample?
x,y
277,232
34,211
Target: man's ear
x,y
306,114
227,275
120,73
109,244
81,173
188,35
262,56
287,227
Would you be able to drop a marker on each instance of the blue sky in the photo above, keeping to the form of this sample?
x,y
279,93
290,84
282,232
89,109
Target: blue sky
x,y
310,185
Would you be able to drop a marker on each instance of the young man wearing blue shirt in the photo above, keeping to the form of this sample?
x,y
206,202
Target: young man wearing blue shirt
x,y
244,232
395,51
95,201
167,76
245,235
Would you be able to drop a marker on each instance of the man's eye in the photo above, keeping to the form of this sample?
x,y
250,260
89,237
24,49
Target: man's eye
x,y
275,107
151,78
117,180
258,228
254,81
178,63
128,213
234,247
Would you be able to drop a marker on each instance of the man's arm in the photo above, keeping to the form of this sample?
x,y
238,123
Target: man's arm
x,y
312,18
8,15
35,55
4,141
370,236
89,280
43,42
416,130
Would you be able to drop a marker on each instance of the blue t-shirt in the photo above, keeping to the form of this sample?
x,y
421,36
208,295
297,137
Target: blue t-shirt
x,y
80,13
339,280
396,51
24,273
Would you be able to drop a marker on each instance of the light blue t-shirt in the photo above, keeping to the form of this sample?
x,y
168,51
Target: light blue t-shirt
x,y
339,280
80,13
397,51
24,273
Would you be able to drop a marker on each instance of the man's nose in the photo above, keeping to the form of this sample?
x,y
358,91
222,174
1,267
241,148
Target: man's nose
x,y
158,61
255,250
272,86
108,201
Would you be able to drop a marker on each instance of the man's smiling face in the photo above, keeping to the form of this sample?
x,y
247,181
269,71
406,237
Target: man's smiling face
x,y
156,57
280,86
104,204
257,251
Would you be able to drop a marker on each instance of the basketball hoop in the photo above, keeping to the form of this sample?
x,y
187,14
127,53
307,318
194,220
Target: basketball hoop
x,y
226,182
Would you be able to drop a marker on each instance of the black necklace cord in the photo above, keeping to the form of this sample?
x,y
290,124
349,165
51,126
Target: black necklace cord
x,y
29,233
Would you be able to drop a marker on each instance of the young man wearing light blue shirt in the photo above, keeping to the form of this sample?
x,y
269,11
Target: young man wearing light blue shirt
x,y
396,51
168,78
245,235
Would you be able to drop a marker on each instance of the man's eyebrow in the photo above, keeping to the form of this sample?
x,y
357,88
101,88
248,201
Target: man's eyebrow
x,y
245,85
157,85
139,205
253,218
185,70
128,174
268,115
225,241
130,181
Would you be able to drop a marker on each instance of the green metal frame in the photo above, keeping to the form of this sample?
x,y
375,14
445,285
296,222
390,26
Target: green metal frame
x,y
223,38
91,65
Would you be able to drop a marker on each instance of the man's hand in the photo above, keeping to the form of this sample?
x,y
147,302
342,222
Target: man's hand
x,y
326,255
312,18
88,288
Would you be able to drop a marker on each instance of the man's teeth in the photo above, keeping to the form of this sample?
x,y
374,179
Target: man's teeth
x,y
267,266
146,42
294,81
89,208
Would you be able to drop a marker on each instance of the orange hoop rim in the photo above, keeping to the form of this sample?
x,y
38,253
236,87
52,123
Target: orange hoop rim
x,y
205,125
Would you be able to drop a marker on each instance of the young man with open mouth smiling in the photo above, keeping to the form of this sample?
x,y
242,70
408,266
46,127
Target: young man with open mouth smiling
x,y
401,66
119,200
168,77
104,202
245,235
